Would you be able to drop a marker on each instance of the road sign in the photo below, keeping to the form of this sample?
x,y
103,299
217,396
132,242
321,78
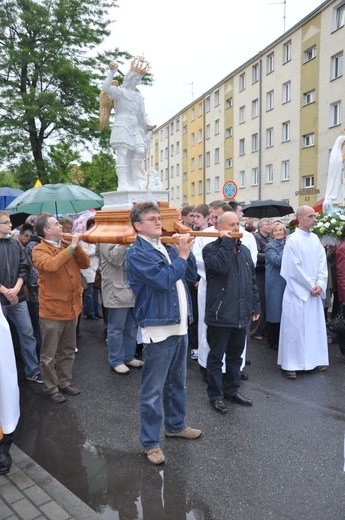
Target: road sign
x,y
230,190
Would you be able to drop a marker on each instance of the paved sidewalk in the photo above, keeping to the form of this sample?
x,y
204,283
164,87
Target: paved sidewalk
x,y
28,492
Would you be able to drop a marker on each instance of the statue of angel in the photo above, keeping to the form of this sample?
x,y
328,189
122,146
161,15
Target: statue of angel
x,y
335,179
131,130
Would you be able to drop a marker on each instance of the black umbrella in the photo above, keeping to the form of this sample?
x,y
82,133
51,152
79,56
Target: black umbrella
x,y
17,218
267,208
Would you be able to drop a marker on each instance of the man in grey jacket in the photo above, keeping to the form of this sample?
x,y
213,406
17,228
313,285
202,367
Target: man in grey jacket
x,y
118,299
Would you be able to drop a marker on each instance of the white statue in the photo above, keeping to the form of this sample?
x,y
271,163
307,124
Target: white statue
x,y
335,180
131,131
155,182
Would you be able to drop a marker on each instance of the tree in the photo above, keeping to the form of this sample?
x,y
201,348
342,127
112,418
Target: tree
x,y
49,85
99,174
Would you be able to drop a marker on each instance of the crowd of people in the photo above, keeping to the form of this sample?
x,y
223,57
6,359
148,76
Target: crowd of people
x,y
200,297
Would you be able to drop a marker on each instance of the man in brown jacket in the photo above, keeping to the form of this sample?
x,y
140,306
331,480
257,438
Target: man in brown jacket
x,y
60,301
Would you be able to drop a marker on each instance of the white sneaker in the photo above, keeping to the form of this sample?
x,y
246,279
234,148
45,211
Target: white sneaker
x,y
122,369
194,354
75,350
136,363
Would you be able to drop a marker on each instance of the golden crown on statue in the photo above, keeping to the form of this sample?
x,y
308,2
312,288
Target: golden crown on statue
x,y
139,65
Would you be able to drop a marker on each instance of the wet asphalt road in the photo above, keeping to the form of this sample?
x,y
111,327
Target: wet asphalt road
x,y
281,459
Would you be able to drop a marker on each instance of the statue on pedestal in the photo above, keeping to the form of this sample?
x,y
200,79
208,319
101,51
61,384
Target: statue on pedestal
x,y
335,189
131,130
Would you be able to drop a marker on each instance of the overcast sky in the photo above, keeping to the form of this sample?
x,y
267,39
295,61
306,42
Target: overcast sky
x,y
193,44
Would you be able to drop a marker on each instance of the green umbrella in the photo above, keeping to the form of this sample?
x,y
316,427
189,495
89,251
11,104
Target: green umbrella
x,y
55,199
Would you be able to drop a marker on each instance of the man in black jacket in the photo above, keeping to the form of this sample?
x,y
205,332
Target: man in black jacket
x,y
231,302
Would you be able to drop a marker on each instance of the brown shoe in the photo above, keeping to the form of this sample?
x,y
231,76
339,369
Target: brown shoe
x,y
321,368
257,336
55,398
187,433
155,455
290,374
70,390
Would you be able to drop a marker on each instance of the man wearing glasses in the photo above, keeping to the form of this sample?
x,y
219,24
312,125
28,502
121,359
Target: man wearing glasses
x,y
157,275
14,271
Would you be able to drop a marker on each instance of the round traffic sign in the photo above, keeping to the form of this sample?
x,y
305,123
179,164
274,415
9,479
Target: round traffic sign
x,y
230,190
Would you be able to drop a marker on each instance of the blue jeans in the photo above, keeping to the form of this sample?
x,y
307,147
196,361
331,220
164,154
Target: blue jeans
x,y
163,375
122,335
19,316
91,305
229,341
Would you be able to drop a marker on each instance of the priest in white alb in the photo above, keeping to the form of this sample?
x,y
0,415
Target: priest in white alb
x,y
303,337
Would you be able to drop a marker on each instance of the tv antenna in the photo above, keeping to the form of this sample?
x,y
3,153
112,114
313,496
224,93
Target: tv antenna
x,y
284,11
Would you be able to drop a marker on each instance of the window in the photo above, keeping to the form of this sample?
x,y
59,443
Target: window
x,y
255,176
308,181
172,128
208,104
171,172
269,173
255,142
334,114
255,73
242,179
192,139
162,175
285,170
216,98
199,162
208,131
177,147
270,100
216,156
270,63
199,187
166,174
162,155
309,97
242,116
166,152
208,158
172,150
184,152
242,82
184,130
339,17
228,103
192,189
287,51
216,127
307,140
200,109
208,186
172,192
185,176
309,54
192,164
178,192
286,92
286,131
337,66
269,137
166,131
216,184
192,114
177,125
228,163
241,146
177,170
255,108
200,135
161,135
228,132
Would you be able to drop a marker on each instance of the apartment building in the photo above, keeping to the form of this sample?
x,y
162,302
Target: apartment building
x,y
269,125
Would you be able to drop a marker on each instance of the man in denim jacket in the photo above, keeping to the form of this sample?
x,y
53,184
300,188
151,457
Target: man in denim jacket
x,y
156,274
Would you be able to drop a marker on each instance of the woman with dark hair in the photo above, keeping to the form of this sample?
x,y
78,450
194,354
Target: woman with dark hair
x,y
274,283
339,262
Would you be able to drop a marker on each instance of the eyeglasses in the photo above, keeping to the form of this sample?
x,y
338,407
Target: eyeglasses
x,y
6,222
152,219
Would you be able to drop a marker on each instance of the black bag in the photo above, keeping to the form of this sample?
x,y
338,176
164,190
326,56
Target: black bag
x,y
337,324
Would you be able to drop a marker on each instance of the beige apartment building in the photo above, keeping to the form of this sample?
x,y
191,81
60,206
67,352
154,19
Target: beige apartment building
x,y
269,126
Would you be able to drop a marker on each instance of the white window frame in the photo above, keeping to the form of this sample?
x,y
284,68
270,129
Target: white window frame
x,y
242,115
208,131
208,104
228,132
286,126
255,176
270,63
200,109
334,114
208,159
192,114
286,92
308,181
216,98
200,135
255,108
241,146
309,97
192,189
309,54
242,179
199,187
269,100
172,172
338,16
269,137
242,82
200,161
269,173
217,183
228,163
337,66
207,186
228,103
255,142
285,171
287,51
308,140
192,139
217,127
255,73
216,156
192,164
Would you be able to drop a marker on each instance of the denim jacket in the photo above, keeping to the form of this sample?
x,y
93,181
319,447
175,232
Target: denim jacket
x,y
153,281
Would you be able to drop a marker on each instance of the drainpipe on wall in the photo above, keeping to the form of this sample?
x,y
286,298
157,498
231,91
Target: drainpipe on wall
x,y
260,129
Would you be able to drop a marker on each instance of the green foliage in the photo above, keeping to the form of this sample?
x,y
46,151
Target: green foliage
x,y
99,174
8,180
61,159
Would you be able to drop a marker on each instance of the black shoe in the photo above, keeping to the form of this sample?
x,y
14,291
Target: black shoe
x,y
92,317
274,347
244,376
239,399
5,463
55,398
219,406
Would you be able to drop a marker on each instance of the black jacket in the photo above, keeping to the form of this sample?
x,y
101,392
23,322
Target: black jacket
x,y
13,265
231,294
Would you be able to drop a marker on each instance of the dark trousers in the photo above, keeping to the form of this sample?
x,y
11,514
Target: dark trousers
x,y
193,327
273,330
229,341
259,326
